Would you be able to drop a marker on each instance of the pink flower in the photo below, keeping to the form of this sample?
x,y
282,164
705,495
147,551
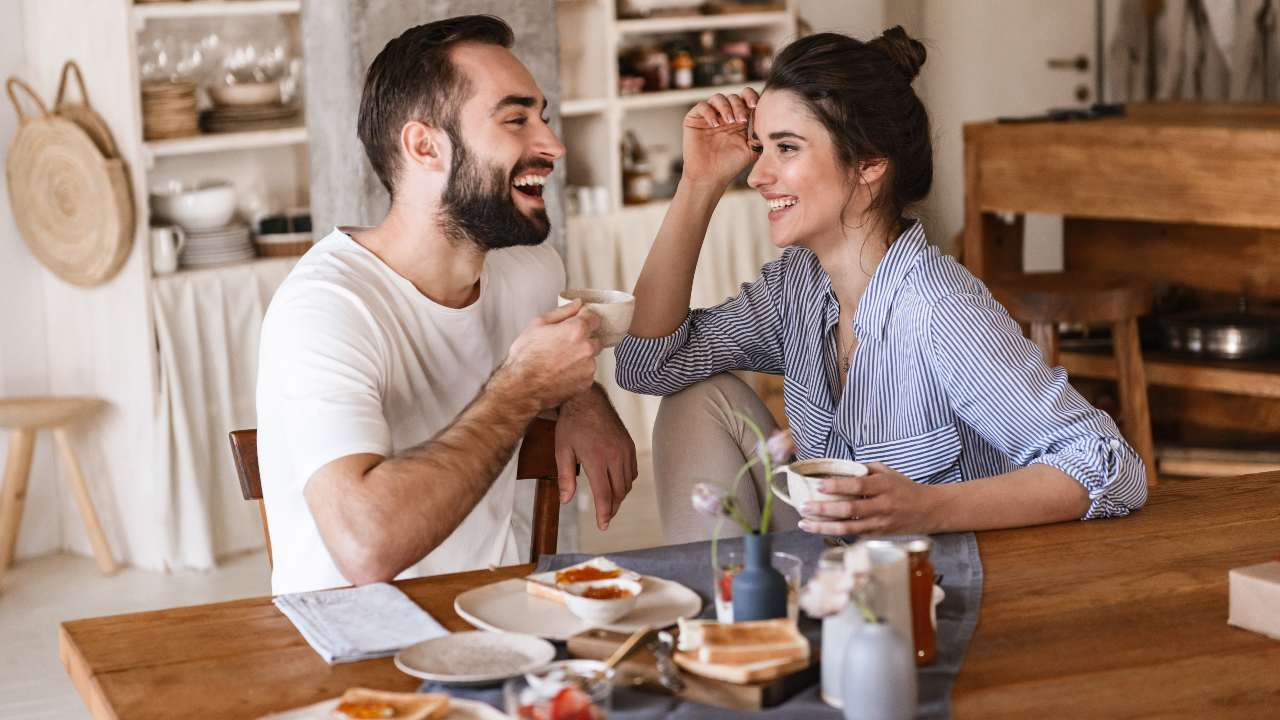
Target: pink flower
x,y
709,500
779,447
826,593
830,590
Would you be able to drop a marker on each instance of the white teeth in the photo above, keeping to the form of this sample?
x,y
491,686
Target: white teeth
x,y
527,180
779,203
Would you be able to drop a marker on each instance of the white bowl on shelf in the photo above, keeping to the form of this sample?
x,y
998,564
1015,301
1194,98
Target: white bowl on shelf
x,y
203,205
253,93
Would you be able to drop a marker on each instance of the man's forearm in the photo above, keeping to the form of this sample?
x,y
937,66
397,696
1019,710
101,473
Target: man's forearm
x,y
426,491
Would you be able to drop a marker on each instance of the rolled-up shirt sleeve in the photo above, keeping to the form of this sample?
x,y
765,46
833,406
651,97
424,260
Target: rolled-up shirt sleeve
x,y
998,384
742,333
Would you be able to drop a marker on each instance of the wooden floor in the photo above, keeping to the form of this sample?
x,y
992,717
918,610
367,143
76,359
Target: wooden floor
x,y
40,593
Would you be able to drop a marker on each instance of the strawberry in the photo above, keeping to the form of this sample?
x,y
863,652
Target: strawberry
x,y
571,704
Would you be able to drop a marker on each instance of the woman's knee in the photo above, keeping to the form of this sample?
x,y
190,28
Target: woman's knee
x,y
716,398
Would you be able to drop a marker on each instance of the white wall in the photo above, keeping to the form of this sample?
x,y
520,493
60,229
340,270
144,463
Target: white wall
x,y
988,58
863,19
24,356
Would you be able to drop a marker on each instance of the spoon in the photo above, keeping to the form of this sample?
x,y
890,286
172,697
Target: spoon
x,y
628,647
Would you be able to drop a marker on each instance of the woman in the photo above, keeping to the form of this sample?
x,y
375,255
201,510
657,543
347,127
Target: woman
x,y
892,353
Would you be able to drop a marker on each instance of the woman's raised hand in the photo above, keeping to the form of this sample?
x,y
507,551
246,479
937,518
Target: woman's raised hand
x,y
716,144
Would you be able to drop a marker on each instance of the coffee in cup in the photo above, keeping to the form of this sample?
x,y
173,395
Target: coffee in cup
x,y
803,477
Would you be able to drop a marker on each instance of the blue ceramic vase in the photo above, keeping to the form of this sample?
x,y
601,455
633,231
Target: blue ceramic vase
x,y
879,671
759,591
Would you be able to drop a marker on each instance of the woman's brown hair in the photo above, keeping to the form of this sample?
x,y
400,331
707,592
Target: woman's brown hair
x,y
861,92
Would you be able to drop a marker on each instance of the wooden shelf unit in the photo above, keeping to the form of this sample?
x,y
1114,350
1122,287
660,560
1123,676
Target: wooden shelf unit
x,y
1174,193
595,117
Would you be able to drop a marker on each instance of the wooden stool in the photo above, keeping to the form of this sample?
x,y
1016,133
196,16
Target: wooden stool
x,y
1045,299
24,417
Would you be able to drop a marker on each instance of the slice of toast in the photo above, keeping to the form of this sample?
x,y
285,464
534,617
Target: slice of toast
x,y
363,702
708,641
548,585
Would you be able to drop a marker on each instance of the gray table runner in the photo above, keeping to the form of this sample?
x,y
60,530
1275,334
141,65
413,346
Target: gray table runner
x,y
955,557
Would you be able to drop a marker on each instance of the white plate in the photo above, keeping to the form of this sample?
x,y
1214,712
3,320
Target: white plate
x,y
506,607
475,658
459,709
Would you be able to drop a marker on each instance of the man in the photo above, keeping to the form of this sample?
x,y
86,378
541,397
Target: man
x,y
401,364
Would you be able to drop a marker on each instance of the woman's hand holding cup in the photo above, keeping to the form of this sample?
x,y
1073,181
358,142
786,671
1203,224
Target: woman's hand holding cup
x,y
880,502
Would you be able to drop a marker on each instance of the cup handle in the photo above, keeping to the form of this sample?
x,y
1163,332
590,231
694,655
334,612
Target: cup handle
x,y
777,491
181,235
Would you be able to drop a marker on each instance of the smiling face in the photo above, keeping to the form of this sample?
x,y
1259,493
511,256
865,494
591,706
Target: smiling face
x,y
800,176
503,151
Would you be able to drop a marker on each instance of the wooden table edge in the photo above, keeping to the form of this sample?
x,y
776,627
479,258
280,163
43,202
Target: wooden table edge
x,y
82,678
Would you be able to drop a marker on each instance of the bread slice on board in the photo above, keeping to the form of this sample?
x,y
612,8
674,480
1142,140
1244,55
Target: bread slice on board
x,y
407,706
708,641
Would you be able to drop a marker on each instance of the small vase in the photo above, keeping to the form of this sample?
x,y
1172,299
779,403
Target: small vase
x,y
759,591
879,675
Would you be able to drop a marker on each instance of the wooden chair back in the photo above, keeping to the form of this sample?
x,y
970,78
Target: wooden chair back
x,y
537,462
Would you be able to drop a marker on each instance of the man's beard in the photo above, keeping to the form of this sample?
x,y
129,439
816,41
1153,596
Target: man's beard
x,y
484,214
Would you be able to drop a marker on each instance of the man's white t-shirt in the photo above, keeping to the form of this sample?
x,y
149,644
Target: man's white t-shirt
x,y
354,359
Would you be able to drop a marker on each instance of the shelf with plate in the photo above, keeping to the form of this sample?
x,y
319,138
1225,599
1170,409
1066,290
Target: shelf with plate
x,y
144,11
226,142
698,23
678,98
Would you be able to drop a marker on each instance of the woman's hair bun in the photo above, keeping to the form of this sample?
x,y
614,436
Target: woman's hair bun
x,y
905,51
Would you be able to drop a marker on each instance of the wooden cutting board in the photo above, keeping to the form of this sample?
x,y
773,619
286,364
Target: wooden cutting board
x,y
772,686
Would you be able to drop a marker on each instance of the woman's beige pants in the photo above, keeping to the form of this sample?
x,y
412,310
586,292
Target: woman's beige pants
x,y
697,437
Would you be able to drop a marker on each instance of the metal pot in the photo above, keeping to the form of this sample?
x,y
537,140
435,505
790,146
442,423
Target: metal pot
x,y
1228,336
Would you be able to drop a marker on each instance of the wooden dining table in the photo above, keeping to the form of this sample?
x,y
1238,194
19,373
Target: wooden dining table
x,y
1108,618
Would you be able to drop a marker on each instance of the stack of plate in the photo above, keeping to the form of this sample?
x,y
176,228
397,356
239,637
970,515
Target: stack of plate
x,y
215,247
169,110
239,118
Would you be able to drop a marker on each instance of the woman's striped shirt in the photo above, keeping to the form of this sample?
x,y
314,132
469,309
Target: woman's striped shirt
x,y
942,387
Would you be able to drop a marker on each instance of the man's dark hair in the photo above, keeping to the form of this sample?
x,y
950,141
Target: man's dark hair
x,y
413,79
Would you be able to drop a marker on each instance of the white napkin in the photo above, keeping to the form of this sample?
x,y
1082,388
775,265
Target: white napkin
x,y
358,623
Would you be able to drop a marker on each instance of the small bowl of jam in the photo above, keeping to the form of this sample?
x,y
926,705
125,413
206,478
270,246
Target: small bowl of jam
x,y
602,602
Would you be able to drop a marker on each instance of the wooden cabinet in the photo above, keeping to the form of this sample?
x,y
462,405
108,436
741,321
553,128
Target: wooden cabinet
x,y
1185,194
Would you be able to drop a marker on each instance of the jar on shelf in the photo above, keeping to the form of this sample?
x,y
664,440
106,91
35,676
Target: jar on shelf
x,y
682,70
637,173
761,60
656,70
733,71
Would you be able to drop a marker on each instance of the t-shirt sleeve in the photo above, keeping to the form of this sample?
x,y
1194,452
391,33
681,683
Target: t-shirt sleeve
x,y
322,376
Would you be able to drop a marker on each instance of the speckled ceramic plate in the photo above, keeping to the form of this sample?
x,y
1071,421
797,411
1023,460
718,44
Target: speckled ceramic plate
x,y
459,709
475,658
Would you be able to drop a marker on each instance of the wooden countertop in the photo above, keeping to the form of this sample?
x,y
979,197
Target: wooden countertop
x,y
1114,618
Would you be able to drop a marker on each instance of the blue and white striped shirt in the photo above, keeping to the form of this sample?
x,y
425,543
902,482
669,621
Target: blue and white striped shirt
x,y
943,387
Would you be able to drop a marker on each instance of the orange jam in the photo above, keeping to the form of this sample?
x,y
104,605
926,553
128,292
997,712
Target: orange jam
x,y
363,710
585,573
606,592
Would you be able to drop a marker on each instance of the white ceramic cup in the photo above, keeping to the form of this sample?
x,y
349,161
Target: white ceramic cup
x,y
803,477
166,243
614,308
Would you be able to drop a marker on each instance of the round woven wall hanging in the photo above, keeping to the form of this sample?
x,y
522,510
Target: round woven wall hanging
x,y
71,203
